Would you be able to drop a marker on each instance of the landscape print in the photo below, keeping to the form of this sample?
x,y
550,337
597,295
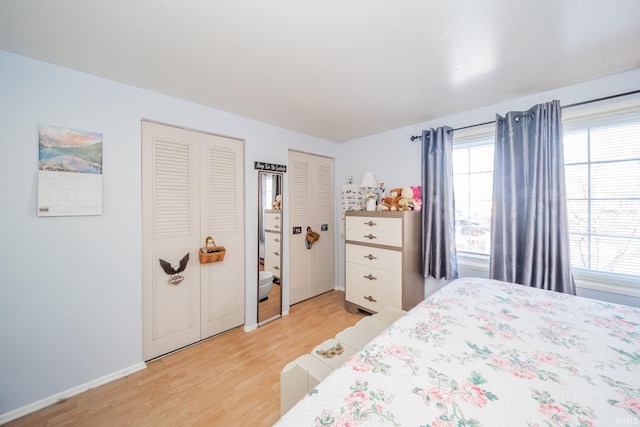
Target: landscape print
x,y
69,150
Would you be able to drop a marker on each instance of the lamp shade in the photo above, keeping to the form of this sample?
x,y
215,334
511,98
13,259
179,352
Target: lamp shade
x,y
369,180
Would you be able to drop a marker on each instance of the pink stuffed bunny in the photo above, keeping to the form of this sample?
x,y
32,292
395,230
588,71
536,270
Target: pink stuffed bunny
x,y
417,197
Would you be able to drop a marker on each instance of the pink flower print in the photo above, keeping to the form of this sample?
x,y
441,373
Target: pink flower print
x,y
396,351
623,323
473,394
360,366
544,357
507,335
499,361
344,420
631,405
440,395
435,327
439,422
555,413
357,400
504,315
586,423
524,371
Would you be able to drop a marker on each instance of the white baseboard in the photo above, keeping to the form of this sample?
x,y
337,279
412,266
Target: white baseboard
x,y
48,401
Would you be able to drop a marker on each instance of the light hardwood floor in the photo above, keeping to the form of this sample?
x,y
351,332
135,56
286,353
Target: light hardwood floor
x,y
229,380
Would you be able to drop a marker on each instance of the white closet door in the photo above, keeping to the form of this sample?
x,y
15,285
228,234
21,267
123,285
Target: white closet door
x,y
322,268
311,271
171,229
190,179
222,216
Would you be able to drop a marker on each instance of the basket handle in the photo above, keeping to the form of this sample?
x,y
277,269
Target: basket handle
x,y
209,242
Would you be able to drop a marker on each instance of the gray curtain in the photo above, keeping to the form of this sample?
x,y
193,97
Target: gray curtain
x,y
438,207
529,230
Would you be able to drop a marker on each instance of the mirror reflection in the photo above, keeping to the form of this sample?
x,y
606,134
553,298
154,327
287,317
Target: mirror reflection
x,y
270,246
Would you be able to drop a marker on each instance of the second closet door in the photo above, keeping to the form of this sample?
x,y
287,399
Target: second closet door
x,y
312,270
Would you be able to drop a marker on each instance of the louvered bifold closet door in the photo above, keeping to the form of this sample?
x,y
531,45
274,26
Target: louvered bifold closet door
x,y
192,187
222,217
323,261
311,271
171,230
300,218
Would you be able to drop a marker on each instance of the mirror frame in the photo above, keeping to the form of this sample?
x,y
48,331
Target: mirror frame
x,y
261,228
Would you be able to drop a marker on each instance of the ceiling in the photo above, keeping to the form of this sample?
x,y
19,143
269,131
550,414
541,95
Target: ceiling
x,y
334,69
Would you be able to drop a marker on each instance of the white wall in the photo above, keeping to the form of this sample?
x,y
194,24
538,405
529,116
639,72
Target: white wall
x,y
396,160
70,297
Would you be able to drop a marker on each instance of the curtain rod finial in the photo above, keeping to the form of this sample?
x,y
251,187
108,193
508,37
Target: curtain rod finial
x,y
414,137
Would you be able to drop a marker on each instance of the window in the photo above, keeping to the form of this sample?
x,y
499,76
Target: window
x,y
602,166
602,160
473,188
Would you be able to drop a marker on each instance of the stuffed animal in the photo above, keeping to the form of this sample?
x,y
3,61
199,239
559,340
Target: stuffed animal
x,y
417,198
406,201
278,201
391,203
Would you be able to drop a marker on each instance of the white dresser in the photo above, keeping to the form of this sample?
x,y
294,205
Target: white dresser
x,y
273,241
382,260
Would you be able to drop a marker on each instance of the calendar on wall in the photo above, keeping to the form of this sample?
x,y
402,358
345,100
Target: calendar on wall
x,y
70,172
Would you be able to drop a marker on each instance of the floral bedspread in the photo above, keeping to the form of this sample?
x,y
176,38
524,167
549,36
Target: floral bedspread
x,y
488,353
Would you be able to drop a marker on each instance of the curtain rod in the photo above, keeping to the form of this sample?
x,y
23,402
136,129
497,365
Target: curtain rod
x,y
414,137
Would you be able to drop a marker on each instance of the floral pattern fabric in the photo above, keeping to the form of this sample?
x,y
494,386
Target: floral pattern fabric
x,y
488,353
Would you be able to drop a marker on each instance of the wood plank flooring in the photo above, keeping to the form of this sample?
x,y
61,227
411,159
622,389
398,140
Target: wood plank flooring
x,y
230,380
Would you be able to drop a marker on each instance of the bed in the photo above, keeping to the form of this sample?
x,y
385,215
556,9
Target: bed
x,y
488,353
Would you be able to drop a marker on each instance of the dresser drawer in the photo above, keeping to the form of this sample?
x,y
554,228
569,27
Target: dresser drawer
x,y
273,221
385,259
272,240
272,264
372,299
375,230
374,278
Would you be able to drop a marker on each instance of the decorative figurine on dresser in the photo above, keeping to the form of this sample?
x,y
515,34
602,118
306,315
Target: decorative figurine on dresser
x,y
272,238
382,260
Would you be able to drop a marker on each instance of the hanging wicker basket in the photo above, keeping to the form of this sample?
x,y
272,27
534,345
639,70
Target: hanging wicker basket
x,y
211,252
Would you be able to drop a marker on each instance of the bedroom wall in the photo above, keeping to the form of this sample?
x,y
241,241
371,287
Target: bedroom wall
x,y
70,299
395,159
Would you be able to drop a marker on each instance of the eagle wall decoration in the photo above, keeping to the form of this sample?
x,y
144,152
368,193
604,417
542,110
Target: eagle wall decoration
x,y
174,273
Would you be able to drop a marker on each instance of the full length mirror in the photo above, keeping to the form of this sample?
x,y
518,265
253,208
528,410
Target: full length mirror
x,y
270,208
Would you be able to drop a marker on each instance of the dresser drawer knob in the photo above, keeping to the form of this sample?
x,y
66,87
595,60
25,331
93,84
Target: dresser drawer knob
x,y
370,236
275,267
276,226
370,257
371,277
276,253
276,240
370,223
370,299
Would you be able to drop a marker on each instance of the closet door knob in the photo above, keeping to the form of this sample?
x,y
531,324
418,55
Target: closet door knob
x,y
370,299
370,257
370,223
371,277
370,236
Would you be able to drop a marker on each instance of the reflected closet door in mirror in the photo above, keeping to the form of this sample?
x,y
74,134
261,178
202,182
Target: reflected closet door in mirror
x,y
270,247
